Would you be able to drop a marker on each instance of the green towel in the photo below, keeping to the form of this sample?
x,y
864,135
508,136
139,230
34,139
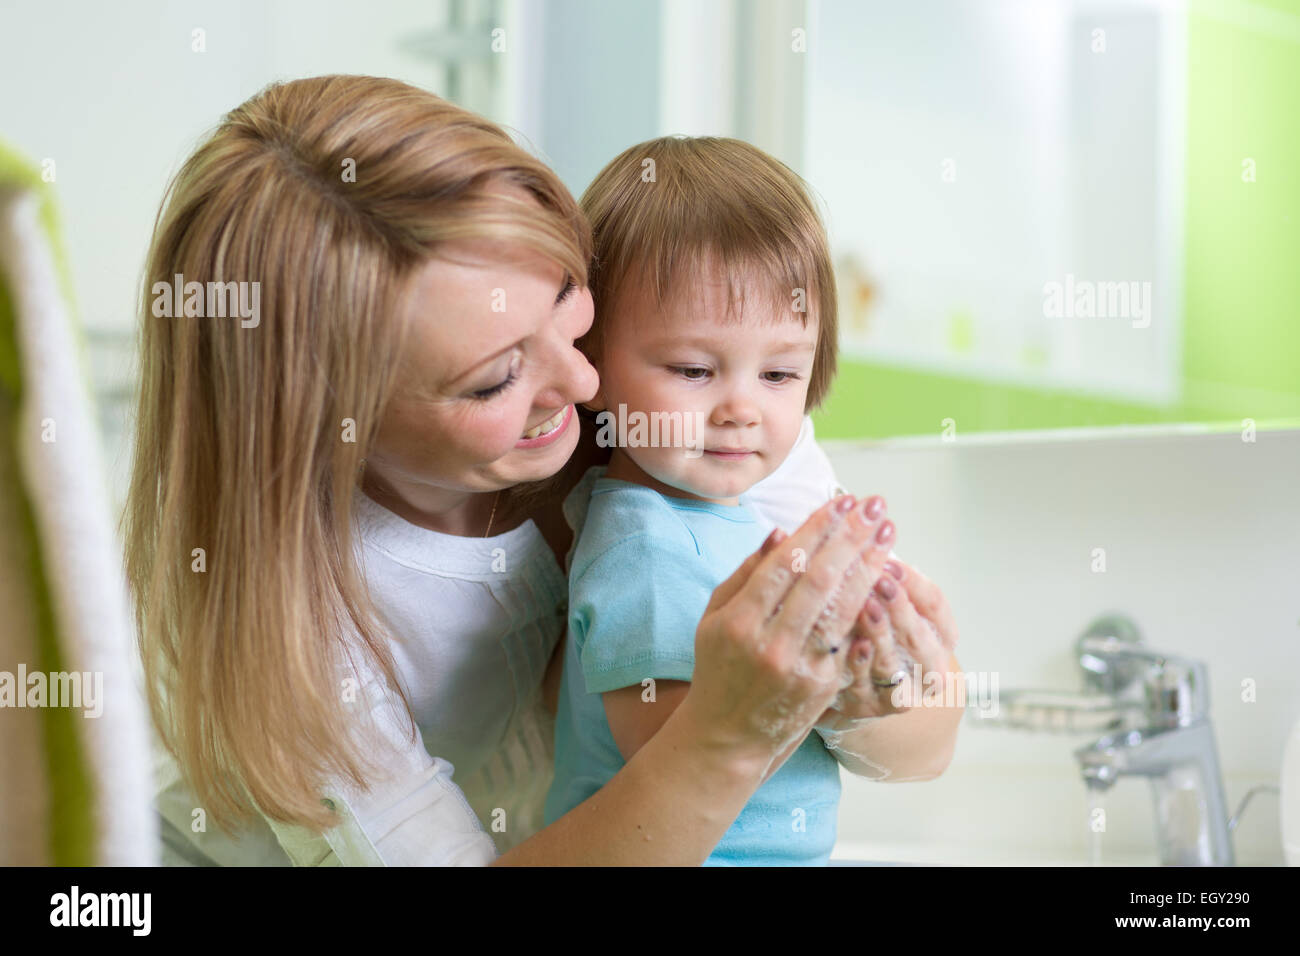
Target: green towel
x,y
68,785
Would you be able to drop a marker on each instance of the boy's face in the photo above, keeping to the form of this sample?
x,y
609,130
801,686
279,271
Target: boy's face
x,y
744,382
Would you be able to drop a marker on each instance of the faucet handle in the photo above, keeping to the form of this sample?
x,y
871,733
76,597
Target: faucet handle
x,y
1177,692
1107,653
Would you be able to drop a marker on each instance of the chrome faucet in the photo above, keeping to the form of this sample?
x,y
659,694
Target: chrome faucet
x,y
1156,708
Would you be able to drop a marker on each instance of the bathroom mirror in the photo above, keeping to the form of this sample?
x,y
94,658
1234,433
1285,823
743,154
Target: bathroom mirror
x,y
1063,215
1052,215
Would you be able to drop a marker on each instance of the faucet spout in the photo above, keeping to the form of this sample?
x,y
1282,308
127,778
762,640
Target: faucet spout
x,y
1154,709
1183,768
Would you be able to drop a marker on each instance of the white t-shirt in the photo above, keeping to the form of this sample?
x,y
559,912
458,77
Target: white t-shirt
x,y
474,622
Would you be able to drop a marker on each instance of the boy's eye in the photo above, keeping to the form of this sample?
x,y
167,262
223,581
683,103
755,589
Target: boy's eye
x,y
689,372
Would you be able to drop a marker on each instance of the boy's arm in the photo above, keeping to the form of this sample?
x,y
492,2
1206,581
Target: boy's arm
x,y
633,720
916,744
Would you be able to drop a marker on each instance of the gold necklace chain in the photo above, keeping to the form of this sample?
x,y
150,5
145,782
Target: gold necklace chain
x,y
488,532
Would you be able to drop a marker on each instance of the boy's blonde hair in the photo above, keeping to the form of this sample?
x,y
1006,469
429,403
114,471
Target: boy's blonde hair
x,y
671,211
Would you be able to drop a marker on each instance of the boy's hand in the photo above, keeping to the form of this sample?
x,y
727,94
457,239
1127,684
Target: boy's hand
x,y
903,645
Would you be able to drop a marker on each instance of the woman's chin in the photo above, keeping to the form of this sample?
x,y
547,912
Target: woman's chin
x,y
537,464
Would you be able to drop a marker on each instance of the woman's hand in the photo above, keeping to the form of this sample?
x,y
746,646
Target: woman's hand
x,y
771,647
905,628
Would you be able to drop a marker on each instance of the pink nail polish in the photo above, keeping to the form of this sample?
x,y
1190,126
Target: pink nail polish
x,y
894,568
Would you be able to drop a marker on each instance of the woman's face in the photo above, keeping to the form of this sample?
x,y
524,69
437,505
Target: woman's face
x,y
489,357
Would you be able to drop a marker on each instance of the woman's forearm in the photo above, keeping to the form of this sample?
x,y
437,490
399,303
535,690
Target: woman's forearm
x,y
670,805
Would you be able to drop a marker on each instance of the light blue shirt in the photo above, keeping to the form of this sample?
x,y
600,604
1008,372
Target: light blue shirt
x,y
642,571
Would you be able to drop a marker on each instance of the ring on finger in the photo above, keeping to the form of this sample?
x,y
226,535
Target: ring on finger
x,y
894,680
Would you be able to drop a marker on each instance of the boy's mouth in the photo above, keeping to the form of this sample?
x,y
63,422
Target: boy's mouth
x,y
729,454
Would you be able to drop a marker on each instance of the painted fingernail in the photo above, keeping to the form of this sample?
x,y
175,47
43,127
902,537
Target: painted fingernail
x,y
874,611
894,568
887,588
875,507
860,514
885,535
845,505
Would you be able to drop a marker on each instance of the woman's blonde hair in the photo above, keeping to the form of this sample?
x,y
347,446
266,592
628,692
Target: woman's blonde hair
x,y
328,193
667,211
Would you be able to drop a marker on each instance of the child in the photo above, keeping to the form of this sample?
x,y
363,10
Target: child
x,y
715,301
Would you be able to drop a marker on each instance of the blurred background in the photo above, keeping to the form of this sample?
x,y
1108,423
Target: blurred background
x,y
968,155
1067,230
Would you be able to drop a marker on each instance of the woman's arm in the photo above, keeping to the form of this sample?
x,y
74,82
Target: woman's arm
x,y
633,720
411,813
668,806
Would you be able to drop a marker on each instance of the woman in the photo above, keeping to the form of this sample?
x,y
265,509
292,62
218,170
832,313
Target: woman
x,y
344,533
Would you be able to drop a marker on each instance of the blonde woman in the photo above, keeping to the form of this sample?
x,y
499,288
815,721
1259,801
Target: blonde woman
x,y
344,533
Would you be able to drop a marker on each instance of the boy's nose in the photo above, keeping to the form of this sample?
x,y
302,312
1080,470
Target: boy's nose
x,y
737,409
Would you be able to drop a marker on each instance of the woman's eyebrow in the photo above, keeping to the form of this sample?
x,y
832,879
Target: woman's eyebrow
x,y
484,361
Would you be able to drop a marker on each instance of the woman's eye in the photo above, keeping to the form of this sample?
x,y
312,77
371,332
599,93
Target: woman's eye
x,y
569,286
485,393
688,372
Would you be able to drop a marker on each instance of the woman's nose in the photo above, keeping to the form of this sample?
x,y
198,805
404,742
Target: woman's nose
x,y
583,380
571,378
583,313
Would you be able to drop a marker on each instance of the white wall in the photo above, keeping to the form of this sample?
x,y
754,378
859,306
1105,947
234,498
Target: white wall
x,y
117,97
1202,540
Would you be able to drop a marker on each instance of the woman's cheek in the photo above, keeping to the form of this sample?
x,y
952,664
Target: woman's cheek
x,y
496,432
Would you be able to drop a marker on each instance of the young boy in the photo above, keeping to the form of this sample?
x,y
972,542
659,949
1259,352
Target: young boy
x,y
715,309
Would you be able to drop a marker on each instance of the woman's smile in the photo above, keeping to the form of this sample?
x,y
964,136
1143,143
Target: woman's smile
x,y
548,431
